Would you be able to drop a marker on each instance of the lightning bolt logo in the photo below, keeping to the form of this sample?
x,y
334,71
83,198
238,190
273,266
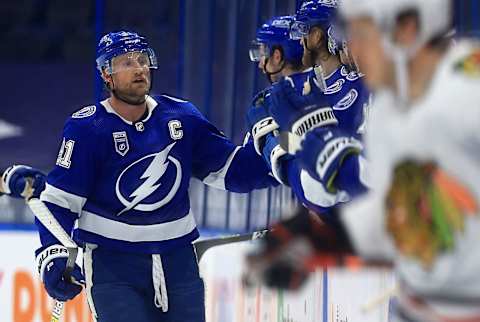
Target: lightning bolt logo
x,y
152,174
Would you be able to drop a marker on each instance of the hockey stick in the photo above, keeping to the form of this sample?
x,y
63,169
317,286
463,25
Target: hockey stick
x,y
43,214
203,245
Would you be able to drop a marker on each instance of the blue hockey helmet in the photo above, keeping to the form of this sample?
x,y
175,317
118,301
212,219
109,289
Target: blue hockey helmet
x,y
276,32
321,13
122,42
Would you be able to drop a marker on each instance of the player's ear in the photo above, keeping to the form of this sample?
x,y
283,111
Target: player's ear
x,y
277,56
406,28
315,37
107,78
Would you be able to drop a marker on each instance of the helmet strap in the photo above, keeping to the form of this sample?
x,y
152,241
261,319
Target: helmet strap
x,y
270,74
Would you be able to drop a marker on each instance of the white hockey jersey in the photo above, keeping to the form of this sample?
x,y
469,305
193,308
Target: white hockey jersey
x,y
423,211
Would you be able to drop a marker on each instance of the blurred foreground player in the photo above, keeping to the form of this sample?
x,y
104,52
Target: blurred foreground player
x,y
422,214
122,178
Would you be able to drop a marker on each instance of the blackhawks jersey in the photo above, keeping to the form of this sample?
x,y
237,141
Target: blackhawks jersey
x,y
423,210
125,185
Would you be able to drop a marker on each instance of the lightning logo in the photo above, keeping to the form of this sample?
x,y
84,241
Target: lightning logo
x,y
155,170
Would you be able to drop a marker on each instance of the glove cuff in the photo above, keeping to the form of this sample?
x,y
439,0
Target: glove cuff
x,y
334,152
260,129
276,159
6,176
49,254
320,117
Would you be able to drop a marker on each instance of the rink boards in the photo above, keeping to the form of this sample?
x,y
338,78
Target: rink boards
x,y
333,295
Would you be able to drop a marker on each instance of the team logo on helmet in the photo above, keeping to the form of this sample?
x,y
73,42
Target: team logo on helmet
x,y
106,40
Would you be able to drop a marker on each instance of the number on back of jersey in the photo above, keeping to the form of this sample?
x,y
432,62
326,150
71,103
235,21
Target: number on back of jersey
x,y
65,154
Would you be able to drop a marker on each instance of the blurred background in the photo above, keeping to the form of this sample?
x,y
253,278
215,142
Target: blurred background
x,y
48,69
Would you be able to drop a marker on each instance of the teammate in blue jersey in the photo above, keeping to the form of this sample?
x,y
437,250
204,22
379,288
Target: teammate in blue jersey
x,y
324,107
321,114
122,178
21,181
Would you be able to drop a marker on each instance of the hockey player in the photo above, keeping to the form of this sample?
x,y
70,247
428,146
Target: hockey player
x,y
337,116
277,56
422,213
122,178
21,181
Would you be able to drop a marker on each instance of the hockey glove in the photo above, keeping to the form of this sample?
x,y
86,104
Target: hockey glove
x,y
299,108
51,264
259,122
287,254
18,179
276,157
324,151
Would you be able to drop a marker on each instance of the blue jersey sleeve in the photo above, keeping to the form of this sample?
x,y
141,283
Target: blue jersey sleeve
x,y
71,181
221,164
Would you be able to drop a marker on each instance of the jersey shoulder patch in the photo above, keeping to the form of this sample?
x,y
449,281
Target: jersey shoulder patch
x,y
84,112
470,65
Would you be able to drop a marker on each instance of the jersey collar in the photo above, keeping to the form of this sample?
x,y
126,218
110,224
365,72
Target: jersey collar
x,y
151,104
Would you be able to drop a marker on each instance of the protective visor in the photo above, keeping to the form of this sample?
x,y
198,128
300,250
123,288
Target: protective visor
x,y
258,51
298,30
144,59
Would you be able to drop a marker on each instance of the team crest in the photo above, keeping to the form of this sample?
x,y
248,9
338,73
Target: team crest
x,y
121,142
84,112
346,101
426,208
470,65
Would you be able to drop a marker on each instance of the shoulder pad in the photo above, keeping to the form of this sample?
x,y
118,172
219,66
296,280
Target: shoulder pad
x,y
84,112
470,65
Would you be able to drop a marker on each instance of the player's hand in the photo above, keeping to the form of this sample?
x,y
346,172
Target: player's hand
x,y
51,264
18,179
298,98
295,247
324,151
259,122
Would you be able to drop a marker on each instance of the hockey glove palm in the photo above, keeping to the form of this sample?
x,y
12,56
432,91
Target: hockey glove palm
x,y
51,264
17,180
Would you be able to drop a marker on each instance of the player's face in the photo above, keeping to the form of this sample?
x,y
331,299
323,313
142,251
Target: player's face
x,y
272,65
366,45
311,42
131,75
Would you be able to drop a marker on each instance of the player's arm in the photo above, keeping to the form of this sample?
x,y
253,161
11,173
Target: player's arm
x,y
67,188
263,131
310,127
221,164
16,180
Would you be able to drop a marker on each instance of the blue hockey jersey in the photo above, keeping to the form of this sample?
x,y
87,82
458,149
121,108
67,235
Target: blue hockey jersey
x,y
350,100
127,183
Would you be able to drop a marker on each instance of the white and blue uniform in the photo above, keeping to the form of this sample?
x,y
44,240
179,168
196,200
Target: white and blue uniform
x,y
125,186
349,98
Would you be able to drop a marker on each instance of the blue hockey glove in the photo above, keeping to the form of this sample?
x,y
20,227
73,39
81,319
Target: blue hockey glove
x,y
51,264
276,157
259,122
16,177
324,151
299,108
